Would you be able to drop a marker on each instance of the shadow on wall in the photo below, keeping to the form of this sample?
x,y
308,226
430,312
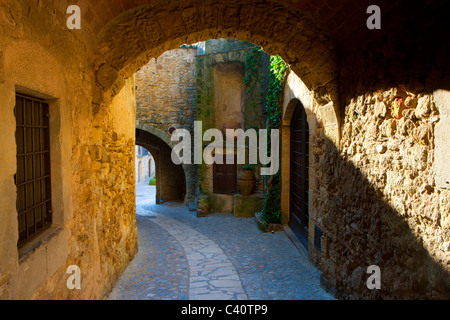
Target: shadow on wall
x,y
381,205
362,229
170,178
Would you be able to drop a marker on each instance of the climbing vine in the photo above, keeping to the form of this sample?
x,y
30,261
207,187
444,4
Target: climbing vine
x,y
252,81
271,212
277,73
252,63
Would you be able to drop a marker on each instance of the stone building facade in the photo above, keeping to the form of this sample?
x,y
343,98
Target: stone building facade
x,y
382,147
145,164
379,98
230,95
166,90
165,99
203,82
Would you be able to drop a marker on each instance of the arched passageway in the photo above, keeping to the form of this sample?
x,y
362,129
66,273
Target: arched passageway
x,y
385,92
170,178
145,165
135,35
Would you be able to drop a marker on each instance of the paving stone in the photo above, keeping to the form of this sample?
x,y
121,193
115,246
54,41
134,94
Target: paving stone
x,y
226,283
219,257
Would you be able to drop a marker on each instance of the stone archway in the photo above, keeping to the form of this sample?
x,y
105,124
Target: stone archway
x,y
129,40
136,35
86,69
190,171
133,37
170,178
296,93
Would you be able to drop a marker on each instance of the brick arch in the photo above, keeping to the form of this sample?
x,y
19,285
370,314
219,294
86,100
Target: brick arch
x,y
129,40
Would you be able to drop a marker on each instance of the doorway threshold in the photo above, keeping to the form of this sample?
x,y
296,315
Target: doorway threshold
x,y
291,236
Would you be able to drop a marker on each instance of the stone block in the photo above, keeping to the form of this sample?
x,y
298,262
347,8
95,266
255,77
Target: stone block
x,y
222,203
264,227
30,274
381,109
416,156
423,108
442,135
247,206
388,128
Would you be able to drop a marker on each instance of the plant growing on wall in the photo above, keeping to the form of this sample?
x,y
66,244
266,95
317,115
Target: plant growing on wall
x,y
248,167
271,212
252,64
252,81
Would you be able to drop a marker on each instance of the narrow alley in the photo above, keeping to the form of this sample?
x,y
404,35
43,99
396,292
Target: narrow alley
x,y
219,257
327,120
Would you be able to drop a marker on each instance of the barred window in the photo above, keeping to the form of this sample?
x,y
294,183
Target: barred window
x,y
33,167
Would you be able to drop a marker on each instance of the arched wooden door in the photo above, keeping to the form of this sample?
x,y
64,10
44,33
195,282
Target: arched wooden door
x,y
299,181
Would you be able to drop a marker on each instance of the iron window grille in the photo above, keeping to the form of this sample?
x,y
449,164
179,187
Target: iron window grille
x,y
33,167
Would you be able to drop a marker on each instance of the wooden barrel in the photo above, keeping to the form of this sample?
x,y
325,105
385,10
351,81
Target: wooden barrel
x,y
246,182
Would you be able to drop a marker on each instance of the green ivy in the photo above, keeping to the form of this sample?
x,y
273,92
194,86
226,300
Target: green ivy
x,y
277,73
252,81
252,63
271,212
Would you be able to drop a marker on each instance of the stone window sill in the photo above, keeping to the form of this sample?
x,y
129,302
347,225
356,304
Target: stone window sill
x,y
41,240
39,260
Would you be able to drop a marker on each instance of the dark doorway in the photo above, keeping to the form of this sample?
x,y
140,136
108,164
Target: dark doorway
x,y
225,178
299,217
225,175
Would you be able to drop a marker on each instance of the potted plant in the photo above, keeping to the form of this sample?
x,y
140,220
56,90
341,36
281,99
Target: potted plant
x,y
246,180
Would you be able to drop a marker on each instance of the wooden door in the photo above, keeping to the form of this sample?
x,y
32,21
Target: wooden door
x,y
299,182
225,178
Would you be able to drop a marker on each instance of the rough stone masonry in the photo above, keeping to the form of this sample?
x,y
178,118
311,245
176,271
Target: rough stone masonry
x,y
380,194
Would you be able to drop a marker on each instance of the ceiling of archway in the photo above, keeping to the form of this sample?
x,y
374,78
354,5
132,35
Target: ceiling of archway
x,y
306,33
344,20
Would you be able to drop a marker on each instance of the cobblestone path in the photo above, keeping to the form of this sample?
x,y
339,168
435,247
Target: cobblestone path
x,y
219,257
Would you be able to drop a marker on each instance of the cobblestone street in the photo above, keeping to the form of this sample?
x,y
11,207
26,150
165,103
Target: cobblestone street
x,y
219,257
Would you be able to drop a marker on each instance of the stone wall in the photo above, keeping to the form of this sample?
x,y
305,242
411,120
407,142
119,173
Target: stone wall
x,y
222,73
91,157
165,98
165,91
376,196
103,232
380,204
